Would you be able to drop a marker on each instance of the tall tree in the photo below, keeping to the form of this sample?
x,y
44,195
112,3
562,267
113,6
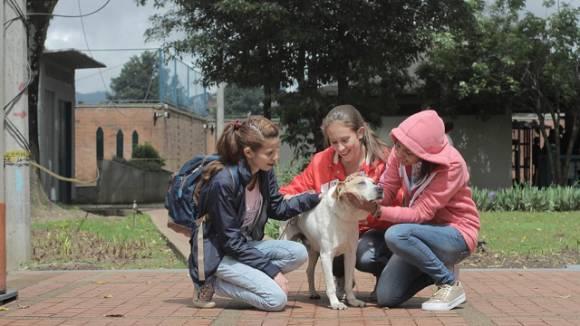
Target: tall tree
x,y
241,101
138,80
513,61
37,27
362,47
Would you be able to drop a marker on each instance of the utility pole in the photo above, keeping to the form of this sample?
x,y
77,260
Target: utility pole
x,y
16,152
5,294
220,109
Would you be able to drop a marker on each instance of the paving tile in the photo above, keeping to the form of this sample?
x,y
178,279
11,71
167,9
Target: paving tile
x,y
495,297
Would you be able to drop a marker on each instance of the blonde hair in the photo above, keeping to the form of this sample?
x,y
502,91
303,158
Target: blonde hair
x,y
351,117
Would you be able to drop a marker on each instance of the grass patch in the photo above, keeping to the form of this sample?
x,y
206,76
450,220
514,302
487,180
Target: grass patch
x,y
530,233
100,243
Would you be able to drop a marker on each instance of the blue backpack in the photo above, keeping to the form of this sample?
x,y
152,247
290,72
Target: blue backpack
x,y
181,205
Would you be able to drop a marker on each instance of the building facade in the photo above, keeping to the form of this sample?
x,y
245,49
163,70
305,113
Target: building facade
x,y
106,131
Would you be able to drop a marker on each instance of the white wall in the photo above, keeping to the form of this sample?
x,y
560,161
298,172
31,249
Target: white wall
x,y
485,145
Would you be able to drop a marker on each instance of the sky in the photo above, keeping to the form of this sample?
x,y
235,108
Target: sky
x,y
121,25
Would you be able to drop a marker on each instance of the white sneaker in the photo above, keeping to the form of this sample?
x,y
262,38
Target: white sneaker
x,y
445,298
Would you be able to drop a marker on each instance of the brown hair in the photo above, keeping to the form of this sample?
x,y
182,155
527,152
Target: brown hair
x,y
351,117
237,135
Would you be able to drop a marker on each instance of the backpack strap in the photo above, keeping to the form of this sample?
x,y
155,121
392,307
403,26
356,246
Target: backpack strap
x,y
199,238
200,252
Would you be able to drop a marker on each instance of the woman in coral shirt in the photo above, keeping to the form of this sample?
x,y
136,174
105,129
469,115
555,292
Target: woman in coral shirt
x,y
354,148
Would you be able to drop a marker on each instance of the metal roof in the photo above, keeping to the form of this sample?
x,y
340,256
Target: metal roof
x,y
72,58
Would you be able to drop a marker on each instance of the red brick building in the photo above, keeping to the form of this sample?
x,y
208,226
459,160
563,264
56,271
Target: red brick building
x,y
105,131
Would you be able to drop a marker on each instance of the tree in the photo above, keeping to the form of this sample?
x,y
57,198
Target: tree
x,y
362,47
512,61
37,26
241,101
138,80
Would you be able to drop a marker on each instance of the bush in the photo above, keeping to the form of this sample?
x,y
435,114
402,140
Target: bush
x,y
528,198
147,157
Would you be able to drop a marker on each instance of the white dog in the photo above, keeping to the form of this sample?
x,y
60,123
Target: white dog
x,y
331,229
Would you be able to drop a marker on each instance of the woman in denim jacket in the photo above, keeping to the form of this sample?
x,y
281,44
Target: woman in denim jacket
x,y
239,199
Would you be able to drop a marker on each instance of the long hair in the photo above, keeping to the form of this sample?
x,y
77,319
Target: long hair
x,y
351,117
237,135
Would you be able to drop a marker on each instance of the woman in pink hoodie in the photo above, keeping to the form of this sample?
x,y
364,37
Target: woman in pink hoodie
x,y
438,224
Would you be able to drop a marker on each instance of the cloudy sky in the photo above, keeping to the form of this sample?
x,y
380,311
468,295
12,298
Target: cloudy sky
x,y
120,25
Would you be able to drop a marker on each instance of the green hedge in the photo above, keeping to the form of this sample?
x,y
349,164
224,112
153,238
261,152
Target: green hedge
x,y
528,198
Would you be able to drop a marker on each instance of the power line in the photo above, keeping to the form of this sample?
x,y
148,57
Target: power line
x,y
81,15
118,49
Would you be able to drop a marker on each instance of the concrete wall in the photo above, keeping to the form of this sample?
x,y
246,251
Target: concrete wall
x,y
122,183
56,86
485,145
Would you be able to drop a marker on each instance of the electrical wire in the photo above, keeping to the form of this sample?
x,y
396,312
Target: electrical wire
x,y
19,14
67,179
71,16
105,87
7,108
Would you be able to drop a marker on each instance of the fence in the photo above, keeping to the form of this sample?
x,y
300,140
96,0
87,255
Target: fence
x,y
150,76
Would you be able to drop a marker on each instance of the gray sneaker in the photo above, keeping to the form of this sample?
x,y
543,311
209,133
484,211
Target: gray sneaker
x,y
446,297
202,296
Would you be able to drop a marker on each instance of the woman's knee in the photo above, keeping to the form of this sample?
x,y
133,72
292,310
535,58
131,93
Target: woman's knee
x,y
396,235
277,301
299,253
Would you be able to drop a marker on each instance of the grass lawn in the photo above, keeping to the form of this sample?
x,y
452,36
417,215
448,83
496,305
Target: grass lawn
x,y
512,239
100,243
533,233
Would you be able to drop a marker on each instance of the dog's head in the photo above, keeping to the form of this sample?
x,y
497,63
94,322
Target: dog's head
x,y
360,186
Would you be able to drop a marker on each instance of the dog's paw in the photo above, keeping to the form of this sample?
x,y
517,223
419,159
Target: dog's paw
x,y
356,303
338,306
314,296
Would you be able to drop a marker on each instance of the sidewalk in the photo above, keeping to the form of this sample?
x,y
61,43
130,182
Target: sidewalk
x,y
163,297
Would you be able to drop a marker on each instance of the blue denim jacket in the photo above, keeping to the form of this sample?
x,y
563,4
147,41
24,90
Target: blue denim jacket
x,y
223,198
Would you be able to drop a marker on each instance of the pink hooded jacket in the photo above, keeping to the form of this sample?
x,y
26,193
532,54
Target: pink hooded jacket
x,y
445,197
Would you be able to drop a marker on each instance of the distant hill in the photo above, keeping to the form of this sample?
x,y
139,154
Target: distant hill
x,y
91,98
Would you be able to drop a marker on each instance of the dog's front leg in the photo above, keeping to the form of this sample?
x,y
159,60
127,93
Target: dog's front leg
x,y
312,259
349,265
326,259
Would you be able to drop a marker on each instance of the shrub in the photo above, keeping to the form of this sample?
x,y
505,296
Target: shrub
x,y
528,198
147,157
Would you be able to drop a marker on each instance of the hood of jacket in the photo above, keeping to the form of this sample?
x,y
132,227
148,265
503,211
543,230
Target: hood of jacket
x,y
423,133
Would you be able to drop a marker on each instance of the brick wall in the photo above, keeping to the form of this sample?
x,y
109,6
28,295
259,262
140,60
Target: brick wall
x,y
177,137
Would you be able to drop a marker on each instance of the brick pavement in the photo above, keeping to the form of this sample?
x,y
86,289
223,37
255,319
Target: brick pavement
x,y
162,297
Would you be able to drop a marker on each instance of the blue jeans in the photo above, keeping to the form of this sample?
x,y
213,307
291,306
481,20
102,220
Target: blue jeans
x,y
421,254
372,253
247,284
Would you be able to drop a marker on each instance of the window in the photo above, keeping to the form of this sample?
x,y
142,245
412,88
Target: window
x,y
135,140
119,144
100,146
